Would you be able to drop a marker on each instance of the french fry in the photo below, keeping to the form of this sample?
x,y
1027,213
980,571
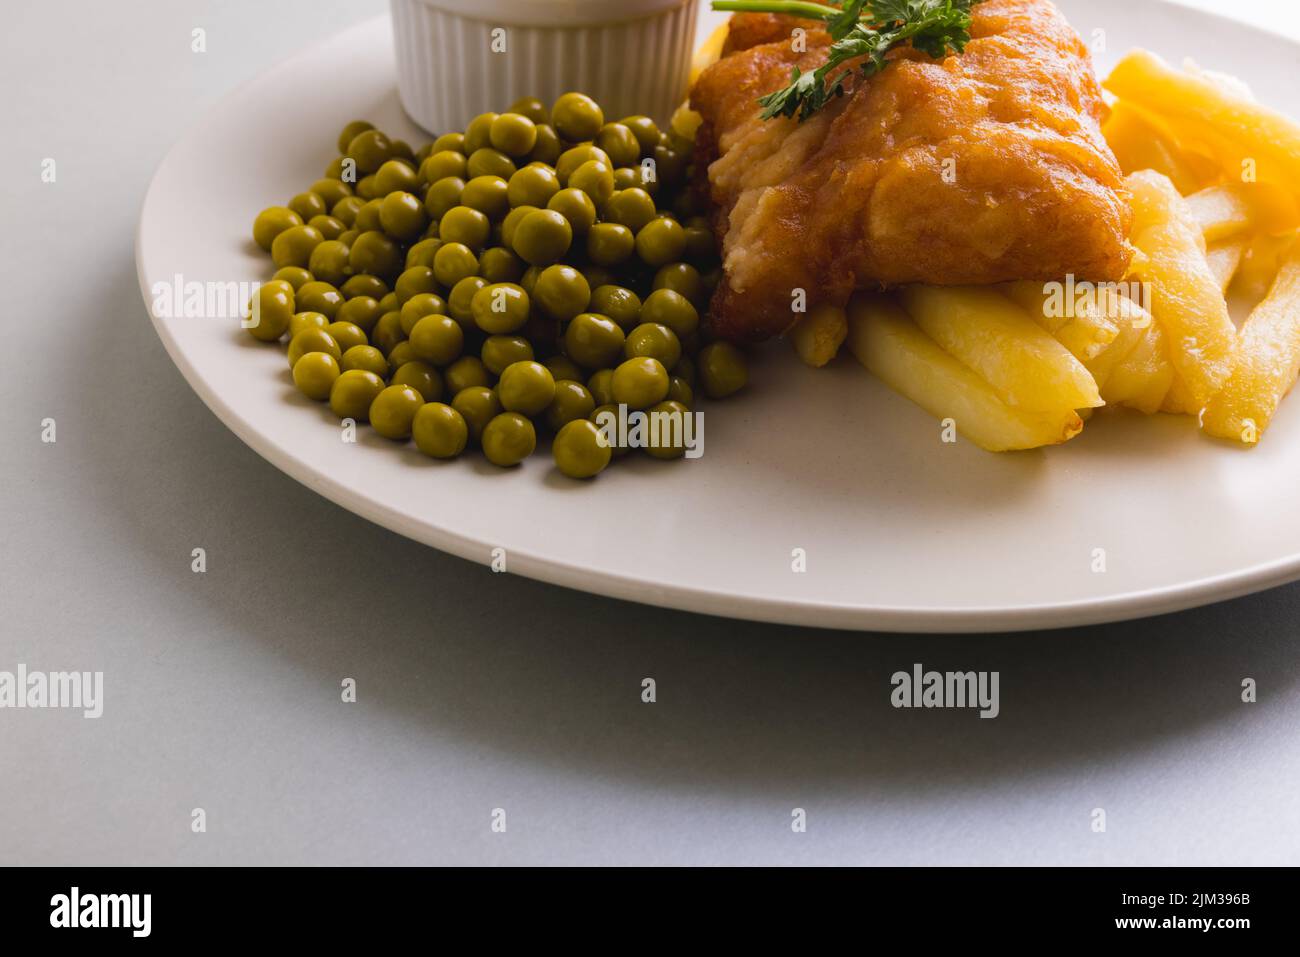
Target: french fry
x,y
1223,212
1141,379
1138,144
1266,363
1185,295
1082,326
993,336
896,351
819,334
707,53
1242,134
1259,265
1223,259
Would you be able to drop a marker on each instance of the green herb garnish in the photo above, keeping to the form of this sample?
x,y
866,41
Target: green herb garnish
x,y
860,28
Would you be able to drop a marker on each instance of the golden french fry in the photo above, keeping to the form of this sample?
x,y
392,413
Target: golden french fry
x,y
1259,265
1141,379
707,53
685,121
1185,296
1138,143
1222,211
1079,322
1247,138
895,350
1266,363
1223,259
819,334
992,335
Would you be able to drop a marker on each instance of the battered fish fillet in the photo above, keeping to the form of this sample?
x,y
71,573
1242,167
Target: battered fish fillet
x,y
983,167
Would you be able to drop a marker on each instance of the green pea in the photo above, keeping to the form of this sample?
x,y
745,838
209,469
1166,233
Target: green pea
x,y
460,301
581,450
293,246
307,320
683,279
576,207
437,339
312,340
575,156
500,308
601,386
467,226
295,276
367,359
329,261
548,147
454,142
366,188
619,303
421,377
388,332
499,264
562,367
701,247
490,162
671,432
633,208
361,311
370,149
478,405
402,216
679,390
314,375
604,418
367,219
508,439
561,292
418,306
401,354
620,143
364,285
501,352
422,253
396,176
319,297
307,205
609,244
639,383
333,191
444,164
335,168
594,178
439,431
671,309
542,237
453,262
722,369
645,130
513,134
531,107
327,226
660,242
577,117
347,335
526,387
353,393
593,340
415,281
653,340
465,372
532,186
351,132
479,133
346,209
488,195
443,195
377,254
393,410
572,401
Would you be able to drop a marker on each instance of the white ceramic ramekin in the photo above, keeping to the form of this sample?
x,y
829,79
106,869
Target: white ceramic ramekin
x,y
459,58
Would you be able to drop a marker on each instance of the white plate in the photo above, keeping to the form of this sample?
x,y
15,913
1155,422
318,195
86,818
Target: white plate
x,y
901,531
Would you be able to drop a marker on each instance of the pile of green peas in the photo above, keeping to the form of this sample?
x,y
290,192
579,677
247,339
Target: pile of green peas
x,y
537,269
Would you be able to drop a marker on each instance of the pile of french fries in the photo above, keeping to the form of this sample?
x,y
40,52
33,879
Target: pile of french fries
x,y
1215,181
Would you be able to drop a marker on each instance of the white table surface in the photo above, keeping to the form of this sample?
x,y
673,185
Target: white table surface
x,y
479,691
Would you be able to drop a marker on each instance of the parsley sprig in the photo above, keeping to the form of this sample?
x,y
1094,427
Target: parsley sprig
x,y
866,29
